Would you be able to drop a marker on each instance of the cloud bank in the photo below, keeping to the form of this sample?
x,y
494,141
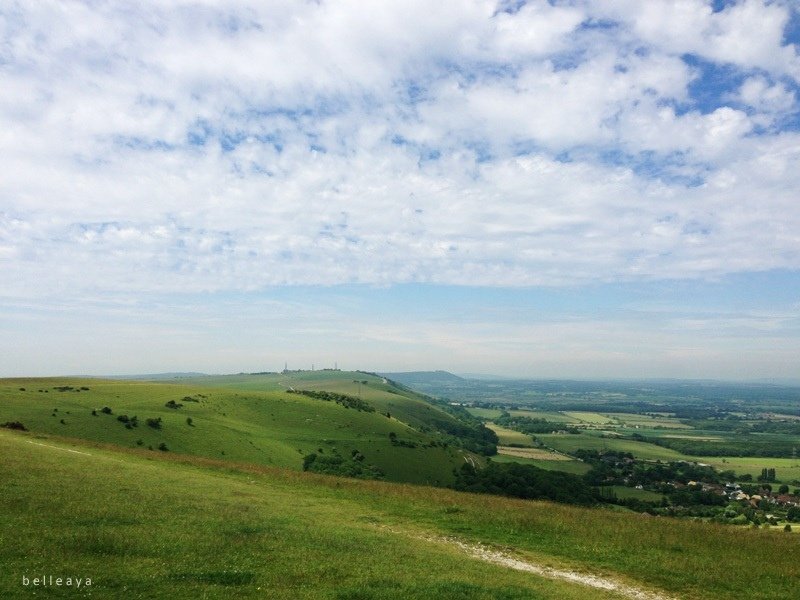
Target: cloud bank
x,y
204,146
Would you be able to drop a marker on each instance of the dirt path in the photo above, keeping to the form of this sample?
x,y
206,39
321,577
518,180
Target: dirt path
x,y
496,557
59,448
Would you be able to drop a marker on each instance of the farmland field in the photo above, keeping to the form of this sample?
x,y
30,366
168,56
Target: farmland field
x,y
648,422
787,469
485,413
537,453
590,418
509,436
570,443
575,467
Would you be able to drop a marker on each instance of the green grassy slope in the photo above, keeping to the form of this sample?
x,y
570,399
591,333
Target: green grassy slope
x,y
151,525
402,403
262,427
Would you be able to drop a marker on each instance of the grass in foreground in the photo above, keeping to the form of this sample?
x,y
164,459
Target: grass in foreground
x,y
154,525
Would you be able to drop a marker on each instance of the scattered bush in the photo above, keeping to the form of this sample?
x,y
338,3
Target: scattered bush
x,y
21,389
14,425
163,447
105,410
94,412
173,404
189,422
337,465
63,422
154,423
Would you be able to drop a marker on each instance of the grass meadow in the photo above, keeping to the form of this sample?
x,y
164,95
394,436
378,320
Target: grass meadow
x,y
263,427
148,525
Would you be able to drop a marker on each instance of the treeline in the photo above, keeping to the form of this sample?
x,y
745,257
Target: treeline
x,y
532,426
620,468
527,482
737,424
741,447
343,399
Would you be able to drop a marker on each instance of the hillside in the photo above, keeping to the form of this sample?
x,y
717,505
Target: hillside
x,y
250,419
150,525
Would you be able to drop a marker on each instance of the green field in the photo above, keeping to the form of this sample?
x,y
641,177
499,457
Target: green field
x,y
646,421
555,417
567,466
786,469
569,443
152,525
262,427
590,418
508,437
485,413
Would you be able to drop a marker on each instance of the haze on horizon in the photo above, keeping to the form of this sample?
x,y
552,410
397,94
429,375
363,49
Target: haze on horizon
x,y
576,189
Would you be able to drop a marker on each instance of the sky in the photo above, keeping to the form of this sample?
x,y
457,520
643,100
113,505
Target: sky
x,y
577,189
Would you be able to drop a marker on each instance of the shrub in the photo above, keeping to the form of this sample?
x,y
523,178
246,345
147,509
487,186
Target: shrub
x,y
123,418
163,447
14,425
189,422
106,410
173,404
94,412
154,423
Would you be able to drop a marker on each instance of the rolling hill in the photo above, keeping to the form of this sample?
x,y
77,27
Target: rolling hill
x,y
253,419
145,524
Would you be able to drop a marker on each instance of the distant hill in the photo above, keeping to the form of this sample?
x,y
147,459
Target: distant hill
x,y
156,376
422,379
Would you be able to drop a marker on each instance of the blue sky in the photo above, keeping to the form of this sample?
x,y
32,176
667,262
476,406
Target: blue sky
x,y
554,189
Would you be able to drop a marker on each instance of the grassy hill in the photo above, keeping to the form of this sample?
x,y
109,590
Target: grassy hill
x,y
146,524
247,419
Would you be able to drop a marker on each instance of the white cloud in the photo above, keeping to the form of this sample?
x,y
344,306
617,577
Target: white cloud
x,y
759,94
191,147
748,33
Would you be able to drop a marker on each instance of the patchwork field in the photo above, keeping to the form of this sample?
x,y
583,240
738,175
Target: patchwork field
x,y
570,443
